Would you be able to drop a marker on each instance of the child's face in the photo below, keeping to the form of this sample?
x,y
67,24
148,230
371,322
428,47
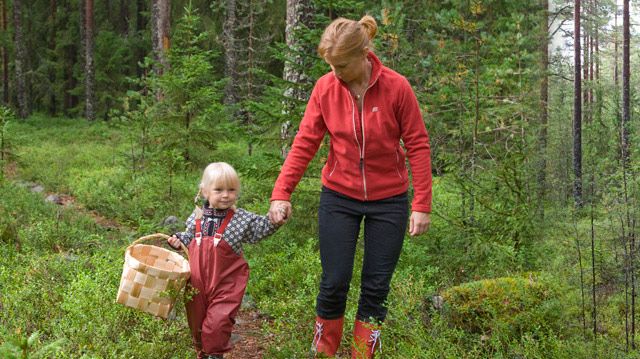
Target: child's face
x,y
221,197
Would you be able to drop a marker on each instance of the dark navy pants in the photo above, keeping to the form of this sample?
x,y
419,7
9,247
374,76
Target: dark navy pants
x,y
385,224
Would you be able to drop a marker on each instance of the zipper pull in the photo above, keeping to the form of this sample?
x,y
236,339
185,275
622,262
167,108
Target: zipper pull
x,y
361,163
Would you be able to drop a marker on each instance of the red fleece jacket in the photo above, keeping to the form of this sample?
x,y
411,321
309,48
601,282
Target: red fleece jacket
x,y
366,160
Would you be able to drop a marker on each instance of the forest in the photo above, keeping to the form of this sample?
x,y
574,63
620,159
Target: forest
x,y
111,109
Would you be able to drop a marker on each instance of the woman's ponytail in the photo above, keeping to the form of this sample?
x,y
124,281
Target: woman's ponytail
x,y
370,26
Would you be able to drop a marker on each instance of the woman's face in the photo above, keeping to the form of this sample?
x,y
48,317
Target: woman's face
x,y
348,68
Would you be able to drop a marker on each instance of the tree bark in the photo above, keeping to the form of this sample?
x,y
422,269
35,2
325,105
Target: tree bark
x,y
626,77
544,100
593,24
577,111
626,156
124,17
52,47
161,25
141,25
615,50
5,57
164,29
89,67
231,60
298,16
20,61
71,57
585,69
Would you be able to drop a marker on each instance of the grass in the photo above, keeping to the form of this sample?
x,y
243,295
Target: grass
x,y
59,271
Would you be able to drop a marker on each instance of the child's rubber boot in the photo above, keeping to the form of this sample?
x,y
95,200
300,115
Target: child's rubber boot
x,y
366,340
326,337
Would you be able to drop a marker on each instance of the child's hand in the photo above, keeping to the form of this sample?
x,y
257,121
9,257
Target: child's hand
x,y
174,242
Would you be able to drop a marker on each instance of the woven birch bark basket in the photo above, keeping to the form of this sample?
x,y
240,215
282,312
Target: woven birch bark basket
x,y
152,276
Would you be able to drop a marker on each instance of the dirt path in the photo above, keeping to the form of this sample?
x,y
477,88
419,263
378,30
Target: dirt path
x,y
248,338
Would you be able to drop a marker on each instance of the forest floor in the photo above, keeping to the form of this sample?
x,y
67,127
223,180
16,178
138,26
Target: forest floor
x,y
248,338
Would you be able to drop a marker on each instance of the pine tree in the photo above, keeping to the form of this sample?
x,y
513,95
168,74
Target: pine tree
x,y
90,79
20,61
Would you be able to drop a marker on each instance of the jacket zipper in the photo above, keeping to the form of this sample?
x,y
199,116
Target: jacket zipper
x,y
360,149
353,120
364,177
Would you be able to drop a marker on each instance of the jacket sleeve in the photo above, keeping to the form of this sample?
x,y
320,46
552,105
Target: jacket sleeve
x,y
416,142
305,145
187,236
259,227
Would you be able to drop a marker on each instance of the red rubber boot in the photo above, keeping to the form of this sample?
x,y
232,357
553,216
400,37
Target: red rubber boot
x,y
327,336
366,340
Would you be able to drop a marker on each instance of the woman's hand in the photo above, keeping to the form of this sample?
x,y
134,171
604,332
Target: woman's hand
x,y
279,212
174,242
419,223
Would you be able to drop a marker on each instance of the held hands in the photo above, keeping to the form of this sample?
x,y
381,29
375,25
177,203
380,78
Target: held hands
x,y
279,212
419,223
174,242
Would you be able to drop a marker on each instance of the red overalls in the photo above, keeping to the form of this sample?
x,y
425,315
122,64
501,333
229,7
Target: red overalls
x,y
220,276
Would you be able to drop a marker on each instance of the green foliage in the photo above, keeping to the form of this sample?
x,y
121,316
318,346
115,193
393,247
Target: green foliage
x,y
19,347
507,307
175,116
6,145
58,300
474,67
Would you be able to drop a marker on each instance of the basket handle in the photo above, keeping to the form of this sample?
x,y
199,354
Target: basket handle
x,y
161,236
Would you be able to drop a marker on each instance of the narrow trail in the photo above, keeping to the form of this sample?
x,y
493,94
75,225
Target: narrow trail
x,y
249,340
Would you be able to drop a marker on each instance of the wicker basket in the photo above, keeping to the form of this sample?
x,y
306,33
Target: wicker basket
x,y
151,275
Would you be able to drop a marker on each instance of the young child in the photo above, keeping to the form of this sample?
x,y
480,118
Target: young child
x,y
219,273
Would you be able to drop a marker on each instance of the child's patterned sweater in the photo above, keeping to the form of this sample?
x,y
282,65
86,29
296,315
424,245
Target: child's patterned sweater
x,y
244,227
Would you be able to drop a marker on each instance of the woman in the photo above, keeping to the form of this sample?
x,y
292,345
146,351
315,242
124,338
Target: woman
x,y
367,109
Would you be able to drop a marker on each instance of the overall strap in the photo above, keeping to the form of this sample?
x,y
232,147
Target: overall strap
x,y
220,231
198,230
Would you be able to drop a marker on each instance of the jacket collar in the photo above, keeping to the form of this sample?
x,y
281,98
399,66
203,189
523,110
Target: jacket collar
x,y
376,70
376,67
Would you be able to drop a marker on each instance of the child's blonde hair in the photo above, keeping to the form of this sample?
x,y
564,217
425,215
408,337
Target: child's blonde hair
x,y
217,174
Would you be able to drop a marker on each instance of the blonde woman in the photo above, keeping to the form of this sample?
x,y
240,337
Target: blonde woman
x,y
369,111
214,236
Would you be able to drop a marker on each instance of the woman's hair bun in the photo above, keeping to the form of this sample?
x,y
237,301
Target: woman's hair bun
x,y
370,25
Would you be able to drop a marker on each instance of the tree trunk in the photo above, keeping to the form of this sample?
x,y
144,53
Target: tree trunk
x,y
591,65
72,55
20,61
124,17
626,157
164,29
5,57
298,16
599,102
89,68
544,100
52,47
230,56
626,77
615,50
585,69
577,112
140,28
160,33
